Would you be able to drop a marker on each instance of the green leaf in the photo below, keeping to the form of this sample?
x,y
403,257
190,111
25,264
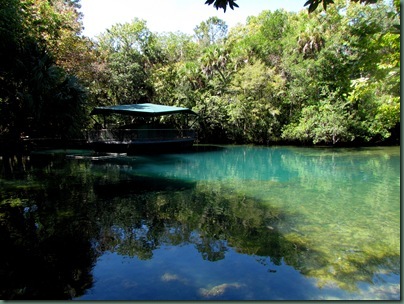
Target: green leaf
x,y
313,7
233,4
326,2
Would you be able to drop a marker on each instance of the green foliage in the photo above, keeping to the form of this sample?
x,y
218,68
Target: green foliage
x,y
214,123
253,111
177,47
376,115
327,122
211,31
129,51
326,77
349,68
38,97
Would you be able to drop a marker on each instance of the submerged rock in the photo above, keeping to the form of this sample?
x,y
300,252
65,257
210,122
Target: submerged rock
x,y
169,277
218,289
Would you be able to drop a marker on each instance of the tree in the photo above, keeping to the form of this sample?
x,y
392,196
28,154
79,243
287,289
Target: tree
x,y
264,35
215,60
374,92
178,79
130,51
326,123
254,105
37,97
346,67
211,31
177,47
313,4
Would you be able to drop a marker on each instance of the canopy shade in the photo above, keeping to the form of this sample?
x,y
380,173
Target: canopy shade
x,y
141,109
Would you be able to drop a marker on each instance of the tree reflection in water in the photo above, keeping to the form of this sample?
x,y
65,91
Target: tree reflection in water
x,y
46,253
62,215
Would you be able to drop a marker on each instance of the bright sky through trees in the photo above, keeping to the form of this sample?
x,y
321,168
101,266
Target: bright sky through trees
x,y
172,15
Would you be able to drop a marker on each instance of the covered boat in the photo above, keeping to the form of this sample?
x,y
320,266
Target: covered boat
x,y
144,133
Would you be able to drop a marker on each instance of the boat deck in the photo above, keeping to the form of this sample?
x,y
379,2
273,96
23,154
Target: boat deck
x,y
133,141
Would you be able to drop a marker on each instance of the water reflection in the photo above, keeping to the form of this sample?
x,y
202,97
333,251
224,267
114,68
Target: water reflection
x,y
66,213
46,248
174,214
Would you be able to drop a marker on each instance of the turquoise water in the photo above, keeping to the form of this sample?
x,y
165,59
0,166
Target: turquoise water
x,y
220,223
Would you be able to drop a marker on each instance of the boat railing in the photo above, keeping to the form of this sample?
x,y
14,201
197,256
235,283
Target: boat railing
x,y
130,135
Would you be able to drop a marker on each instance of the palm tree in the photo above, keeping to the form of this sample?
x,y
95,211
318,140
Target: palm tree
x,y
310,42
216,58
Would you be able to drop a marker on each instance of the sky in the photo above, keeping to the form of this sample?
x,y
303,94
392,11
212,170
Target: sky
x,y
172,15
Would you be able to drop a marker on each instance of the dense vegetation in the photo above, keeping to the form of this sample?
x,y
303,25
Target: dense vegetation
x,y
327,77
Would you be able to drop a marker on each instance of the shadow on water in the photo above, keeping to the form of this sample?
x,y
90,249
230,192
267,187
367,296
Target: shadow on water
x,y
57,220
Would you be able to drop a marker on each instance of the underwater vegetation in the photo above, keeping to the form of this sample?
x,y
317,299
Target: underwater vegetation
x,y
64,213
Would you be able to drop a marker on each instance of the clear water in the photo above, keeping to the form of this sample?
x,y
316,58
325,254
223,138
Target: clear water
x,y
222,223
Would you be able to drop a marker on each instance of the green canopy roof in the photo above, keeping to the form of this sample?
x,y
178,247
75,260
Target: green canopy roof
x,y
141,109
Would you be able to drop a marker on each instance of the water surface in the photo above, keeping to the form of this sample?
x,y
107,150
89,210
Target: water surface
x,y
221,223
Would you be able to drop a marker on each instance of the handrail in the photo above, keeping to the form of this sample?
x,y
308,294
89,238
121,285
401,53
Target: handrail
x,y
130,135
